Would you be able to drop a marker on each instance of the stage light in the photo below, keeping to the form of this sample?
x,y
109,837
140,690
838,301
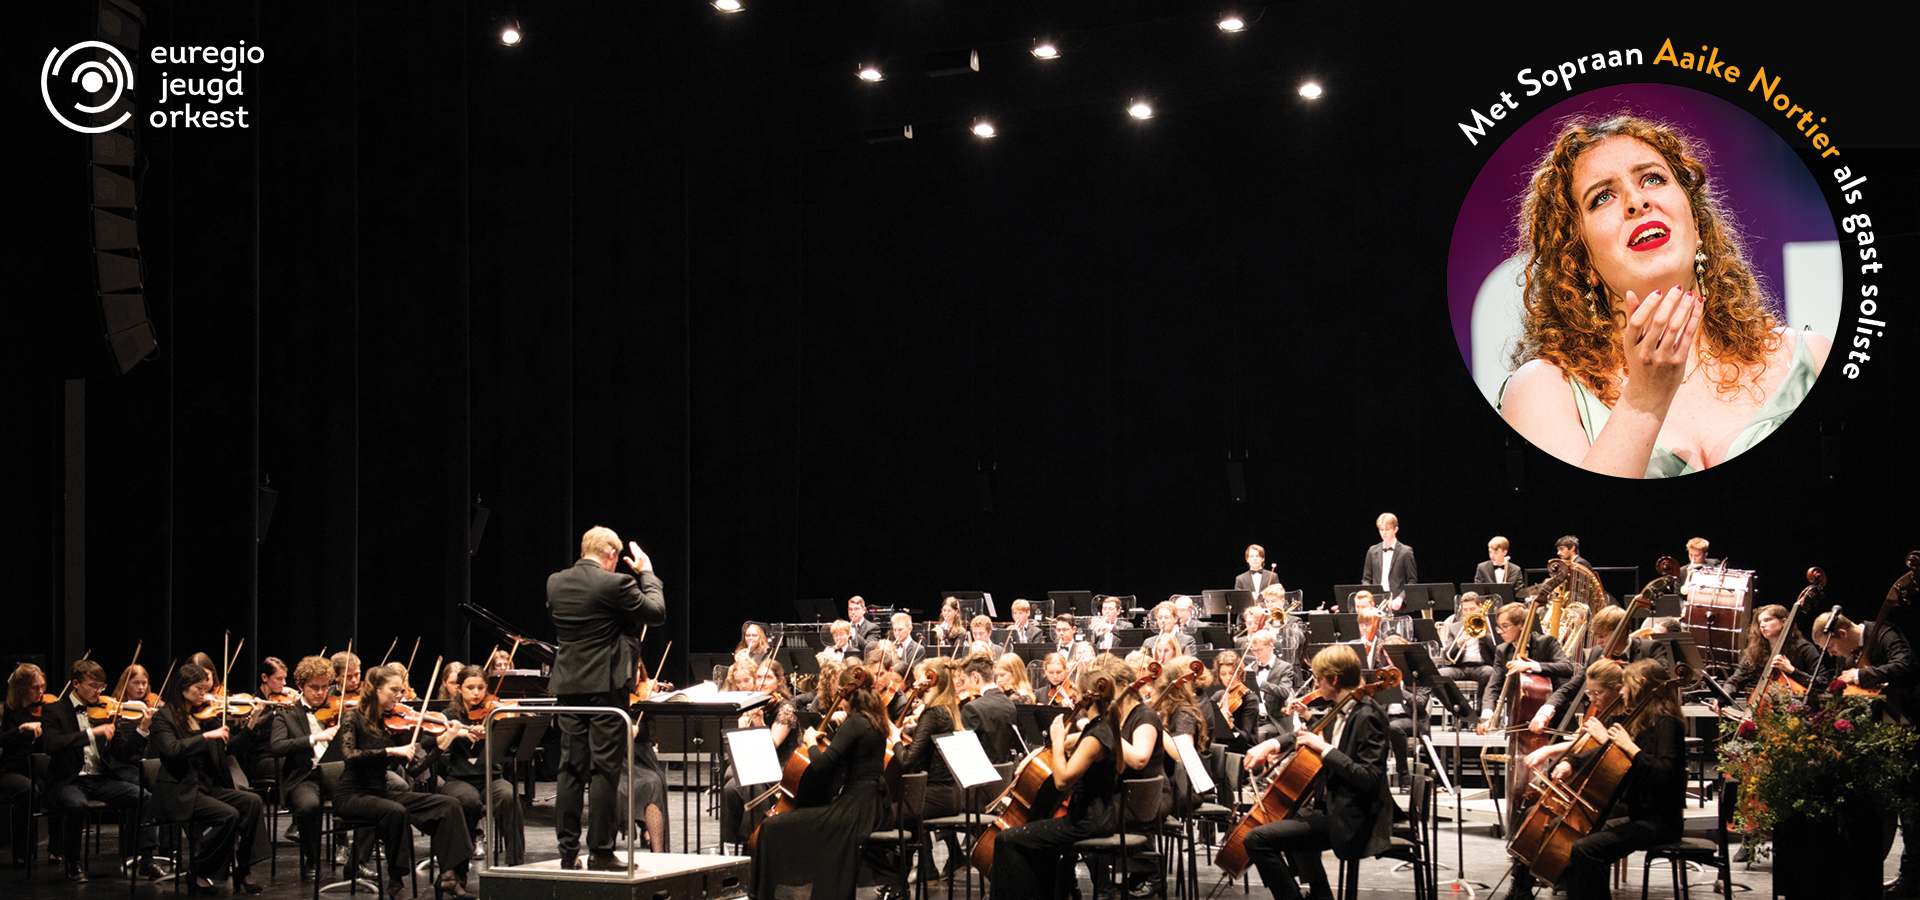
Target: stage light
x,y
728,6
1232,23
1045,50
1310,90
510,34
1140,110
983,128
871,73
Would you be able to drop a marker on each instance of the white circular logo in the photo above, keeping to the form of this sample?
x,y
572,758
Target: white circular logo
x,y
90,77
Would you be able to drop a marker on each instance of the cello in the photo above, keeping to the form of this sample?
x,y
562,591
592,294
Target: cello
x,y
1294,778
796,789
1570,810
1033,795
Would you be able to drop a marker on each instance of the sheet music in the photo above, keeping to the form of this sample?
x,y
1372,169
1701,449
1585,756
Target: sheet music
x,y
754,757
1190,760
967,758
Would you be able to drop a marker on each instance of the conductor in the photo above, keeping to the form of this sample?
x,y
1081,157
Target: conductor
x,y
595,611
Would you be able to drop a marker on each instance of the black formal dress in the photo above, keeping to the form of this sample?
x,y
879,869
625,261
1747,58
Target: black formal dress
x,y
16,766
193,785
596,614
1652,801
821,845
1027,860
364,795
1565,697
943,791
1801,652
466,782
1350,813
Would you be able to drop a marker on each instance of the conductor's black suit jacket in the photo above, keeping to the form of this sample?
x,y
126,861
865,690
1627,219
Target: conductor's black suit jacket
x,y
594,613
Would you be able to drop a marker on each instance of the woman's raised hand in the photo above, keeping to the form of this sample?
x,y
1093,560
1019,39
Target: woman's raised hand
x,y
1659,342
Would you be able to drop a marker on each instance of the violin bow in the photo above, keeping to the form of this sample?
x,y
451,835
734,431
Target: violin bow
x,y
420,717
63,691
226,637
414,655
125,682
503,675
169,678
389,654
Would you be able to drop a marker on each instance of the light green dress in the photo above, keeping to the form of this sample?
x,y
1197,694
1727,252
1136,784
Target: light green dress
x,y
1664,463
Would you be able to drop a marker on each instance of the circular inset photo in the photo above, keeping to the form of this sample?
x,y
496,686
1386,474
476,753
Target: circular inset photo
x,y
1644,281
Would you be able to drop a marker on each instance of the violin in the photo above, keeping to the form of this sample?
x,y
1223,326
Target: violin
x,y
1236,694
328,715
403,718
1060,695
478,712
103,711
135,710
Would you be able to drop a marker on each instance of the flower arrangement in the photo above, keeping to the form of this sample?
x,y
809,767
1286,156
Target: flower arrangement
x,y
1812,759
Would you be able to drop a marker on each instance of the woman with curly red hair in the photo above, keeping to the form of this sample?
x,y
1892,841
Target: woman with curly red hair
x,y
1649,348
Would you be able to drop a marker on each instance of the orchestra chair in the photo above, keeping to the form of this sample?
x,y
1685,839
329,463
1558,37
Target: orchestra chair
x,y
336,825
970,823
187,841
40,764
1140,801
1412,841
23,827
1710,850
1229,776
912,798
1177,834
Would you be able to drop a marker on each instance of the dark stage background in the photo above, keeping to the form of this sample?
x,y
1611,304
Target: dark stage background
x,y
644,271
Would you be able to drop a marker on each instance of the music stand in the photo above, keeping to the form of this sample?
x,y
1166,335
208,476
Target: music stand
x,y
1343,594
1226,603
1417,664
1667,606
1217,636
1419,598
1424,631
1079,602
1504,591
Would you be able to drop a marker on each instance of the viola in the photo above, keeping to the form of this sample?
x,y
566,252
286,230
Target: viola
x,y
1294,778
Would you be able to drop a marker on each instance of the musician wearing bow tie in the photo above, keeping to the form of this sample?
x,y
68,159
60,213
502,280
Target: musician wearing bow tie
x,y
81,769
1271,682
300,741
1257,576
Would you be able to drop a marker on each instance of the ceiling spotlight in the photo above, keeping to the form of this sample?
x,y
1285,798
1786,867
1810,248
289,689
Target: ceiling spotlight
x,y
1140,110
1045,50
983,128
1310,90
728,6
1232,23
871,73
510,34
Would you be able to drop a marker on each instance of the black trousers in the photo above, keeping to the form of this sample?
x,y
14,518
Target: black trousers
x,y
230,820
303,801
1593,855
14,785
591,747
437,815
68,802
507,821
1288,851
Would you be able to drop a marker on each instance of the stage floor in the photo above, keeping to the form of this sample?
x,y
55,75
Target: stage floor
x,y
1485,857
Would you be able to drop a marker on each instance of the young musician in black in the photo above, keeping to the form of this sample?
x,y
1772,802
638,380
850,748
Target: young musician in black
x,y
1655,791
1351,811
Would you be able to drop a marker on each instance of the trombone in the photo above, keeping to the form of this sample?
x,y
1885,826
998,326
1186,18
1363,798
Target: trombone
x,y
1472,627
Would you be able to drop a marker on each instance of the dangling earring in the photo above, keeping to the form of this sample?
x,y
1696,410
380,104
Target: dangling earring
x,y
1593,305
1699,267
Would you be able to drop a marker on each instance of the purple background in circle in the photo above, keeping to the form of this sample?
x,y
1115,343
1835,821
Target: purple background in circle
x,y
1763,184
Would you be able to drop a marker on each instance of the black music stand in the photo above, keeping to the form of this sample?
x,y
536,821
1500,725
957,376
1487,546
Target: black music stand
x,y
1226,603
1504,591
1080,603
1414,660
1219,636
1419,598
1343,595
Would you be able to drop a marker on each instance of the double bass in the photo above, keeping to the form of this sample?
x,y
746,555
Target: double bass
x,y
1294,778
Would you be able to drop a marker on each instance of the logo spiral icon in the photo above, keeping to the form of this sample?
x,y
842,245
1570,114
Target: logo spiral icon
x,y
91,76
